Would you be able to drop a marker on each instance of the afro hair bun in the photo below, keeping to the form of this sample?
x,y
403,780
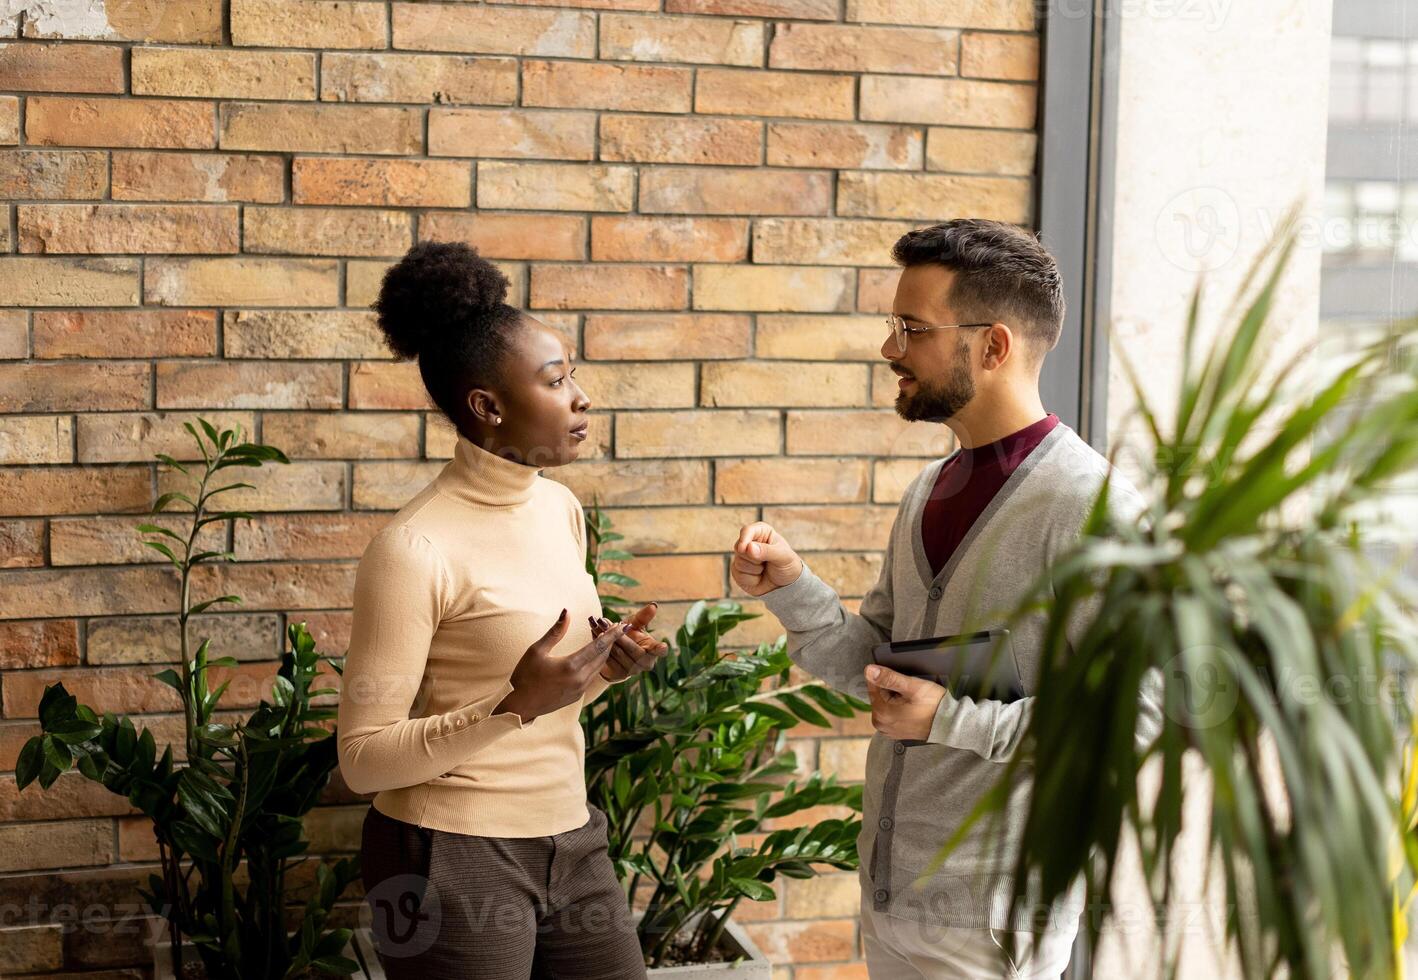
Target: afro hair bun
x,y
435,289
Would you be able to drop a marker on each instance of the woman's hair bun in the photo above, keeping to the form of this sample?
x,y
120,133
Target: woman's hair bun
x,y
437,287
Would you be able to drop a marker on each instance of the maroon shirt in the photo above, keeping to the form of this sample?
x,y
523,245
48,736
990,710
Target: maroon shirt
x,y
967,483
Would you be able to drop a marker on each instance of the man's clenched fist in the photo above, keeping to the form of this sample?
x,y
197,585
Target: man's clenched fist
x,y
763,560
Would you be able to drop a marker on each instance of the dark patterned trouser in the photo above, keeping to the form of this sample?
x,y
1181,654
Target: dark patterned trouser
x,y
451,906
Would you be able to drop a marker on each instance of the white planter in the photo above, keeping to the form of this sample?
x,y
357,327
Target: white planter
x,y
361,939
735,943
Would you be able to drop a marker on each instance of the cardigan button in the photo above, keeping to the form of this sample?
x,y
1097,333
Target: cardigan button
x,y
900,749
460,723
887,823
882,895
935,593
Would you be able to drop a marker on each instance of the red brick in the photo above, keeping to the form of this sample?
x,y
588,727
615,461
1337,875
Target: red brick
x,y
38,174
132,689
512,133
982,151
169,22
32,281
308,23
847,146
601,287
839,47
14,335
241,281
385,130
343,435
702,432
627,483
30,491
381,183
790,481
701,336
658,139
128,228
141,176
705,190
390,385
137,333
494,30
627,37
933,196
825,241
511,236
804,9
998,15
160,123
316,334
388,486
1006,56
38,643
553,186
636,239
876,289
61,68
248,384
587,85
772,289
136,437
769,384
949,102
418,78
223,74
32,439
862,433
113,541
9,120
155,638
81,386
741,92
21,546
325,231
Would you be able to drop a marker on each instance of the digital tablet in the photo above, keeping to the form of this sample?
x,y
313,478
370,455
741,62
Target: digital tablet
x,y
977,665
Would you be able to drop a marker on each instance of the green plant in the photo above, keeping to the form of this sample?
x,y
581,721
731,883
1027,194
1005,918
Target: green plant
x,y
244,787
1247,591
694,751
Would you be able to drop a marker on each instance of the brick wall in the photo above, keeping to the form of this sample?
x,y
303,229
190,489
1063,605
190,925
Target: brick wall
x,y
200,198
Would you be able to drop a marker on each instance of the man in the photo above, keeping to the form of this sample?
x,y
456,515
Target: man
x,y
978,306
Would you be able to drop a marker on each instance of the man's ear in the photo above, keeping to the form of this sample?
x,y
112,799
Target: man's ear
x,y
999,346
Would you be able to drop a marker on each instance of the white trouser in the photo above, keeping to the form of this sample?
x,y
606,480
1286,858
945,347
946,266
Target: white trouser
x,y
900,949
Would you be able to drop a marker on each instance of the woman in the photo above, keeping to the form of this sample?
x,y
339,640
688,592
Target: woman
x,y
472,653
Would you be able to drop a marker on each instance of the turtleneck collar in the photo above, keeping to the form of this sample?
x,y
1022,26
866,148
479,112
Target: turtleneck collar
x,y
475,475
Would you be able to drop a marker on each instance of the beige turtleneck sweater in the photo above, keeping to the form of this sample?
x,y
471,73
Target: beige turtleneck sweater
x,y
448,597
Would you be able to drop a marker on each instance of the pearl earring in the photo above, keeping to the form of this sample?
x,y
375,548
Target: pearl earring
x,y
497,420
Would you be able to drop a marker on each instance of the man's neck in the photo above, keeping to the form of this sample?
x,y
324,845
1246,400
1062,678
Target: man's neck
x,y
979,424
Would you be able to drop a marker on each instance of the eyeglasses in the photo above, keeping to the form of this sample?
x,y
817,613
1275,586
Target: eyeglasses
x,y
900,331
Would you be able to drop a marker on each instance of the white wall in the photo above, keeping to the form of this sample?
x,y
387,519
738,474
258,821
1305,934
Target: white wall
x,y
1222,122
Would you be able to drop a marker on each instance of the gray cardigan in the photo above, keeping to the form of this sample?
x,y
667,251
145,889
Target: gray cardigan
x,y
917,793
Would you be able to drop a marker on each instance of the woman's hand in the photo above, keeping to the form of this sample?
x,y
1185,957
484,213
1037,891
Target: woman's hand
x,y
544,682
635,651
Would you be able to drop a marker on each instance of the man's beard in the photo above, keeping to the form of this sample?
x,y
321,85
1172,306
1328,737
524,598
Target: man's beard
x,y
938,400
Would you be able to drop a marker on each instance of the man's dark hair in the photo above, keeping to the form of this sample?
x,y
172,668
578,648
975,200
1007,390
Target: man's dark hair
x,y
443,303
1002,275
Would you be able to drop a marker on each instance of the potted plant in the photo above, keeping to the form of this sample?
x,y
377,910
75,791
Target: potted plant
x,y
227,818
693,753
1250,592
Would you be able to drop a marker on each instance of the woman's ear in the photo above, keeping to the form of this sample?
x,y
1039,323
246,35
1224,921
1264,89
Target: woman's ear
x,y
482,404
